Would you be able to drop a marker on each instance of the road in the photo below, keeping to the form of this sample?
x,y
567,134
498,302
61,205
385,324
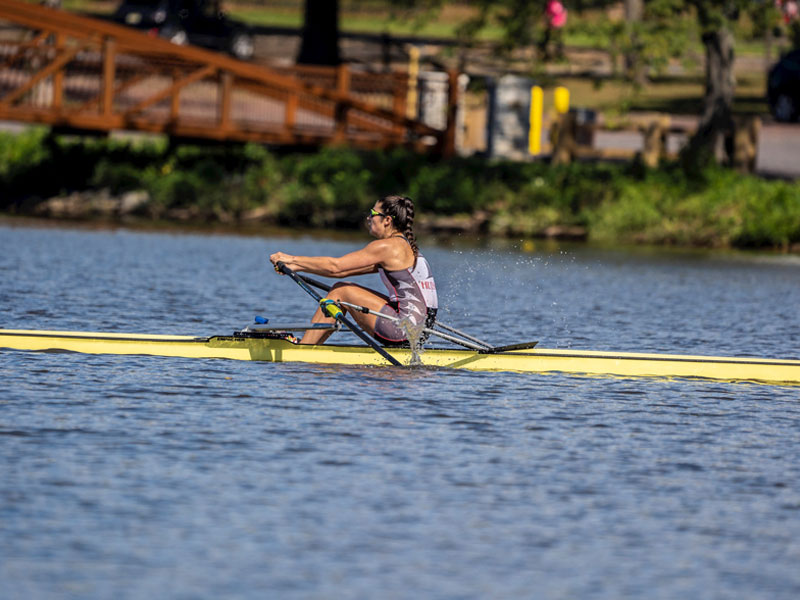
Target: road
x,y
779,150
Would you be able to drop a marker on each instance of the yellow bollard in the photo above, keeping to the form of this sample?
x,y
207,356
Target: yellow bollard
x,y
561,100
535,120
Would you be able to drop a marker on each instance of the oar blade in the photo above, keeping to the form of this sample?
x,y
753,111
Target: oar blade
x,y
509,347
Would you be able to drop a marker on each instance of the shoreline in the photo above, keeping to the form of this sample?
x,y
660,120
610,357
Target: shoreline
x,y
522,245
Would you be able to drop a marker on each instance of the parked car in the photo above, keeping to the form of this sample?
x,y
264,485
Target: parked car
x,y
199,22
783,88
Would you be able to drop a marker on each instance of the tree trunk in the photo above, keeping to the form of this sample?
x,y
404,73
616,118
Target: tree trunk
x,y
714,133
634,69
634,10
320,45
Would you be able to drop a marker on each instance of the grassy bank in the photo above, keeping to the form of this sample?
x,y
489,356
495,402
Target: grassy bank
x,y
333,189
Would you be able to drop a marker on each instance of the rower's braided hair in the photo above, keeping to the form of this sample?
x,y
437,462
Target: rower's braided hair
x,y
401,209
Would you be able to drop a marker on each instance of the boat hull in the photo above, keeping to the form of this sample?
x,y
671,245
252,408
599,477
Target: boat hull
x,y
785,372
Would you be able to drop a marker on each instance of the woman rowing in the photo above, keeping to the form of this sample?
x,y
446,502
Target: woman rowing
x,y
412,299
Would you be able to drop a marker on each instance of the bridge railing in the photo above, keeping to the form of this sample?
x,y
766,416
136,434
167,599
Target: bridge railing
x,y
87,74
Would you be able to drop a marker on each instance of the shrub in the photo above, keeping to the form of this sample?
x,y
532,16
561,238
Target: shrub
x,y
770,217
334,187
22,160
116,177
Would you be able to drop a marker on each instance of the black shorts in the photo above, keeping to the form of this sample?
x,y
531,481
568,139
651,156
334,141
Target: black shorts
x,y
386,331
389,334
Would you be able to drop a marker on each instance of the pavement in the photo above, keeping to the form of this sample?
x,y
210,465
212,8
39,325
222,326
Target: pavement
x,y
778,146
779,150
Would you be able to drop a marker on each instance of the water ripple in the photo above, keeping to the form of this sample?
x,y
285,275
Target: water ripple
x,y
139,477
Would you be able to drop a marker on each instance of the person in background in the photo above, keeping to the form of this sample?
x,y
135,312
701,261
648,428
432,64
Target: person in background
x,y
556,17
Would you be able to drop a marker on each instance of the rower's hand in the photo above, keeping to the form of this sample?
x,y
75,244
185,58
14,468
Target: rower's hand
x,y
281,257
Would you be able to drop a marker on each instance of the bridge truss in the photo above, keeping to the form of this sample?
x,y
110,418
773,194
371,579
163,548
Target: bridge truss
x,y
85,74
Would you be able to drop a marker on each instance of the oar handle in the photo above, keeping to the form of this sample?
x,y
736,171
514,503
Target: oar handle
x,y
281,267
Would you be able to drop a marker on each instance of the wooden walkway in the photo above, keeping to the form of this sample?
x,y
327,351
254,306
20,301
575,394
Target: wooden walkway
x,y
78,73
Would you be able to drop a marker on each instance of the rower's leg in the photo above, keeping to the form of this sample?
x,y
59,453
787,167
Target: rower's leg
x,y
354,294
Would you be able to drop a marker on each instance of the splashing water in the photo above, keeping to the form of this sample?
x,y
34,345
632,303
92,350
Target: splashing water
x,y
415,339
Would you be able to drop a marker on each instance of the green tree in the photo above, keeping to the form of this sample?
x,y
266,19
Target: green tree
x,y
716,18
656,31
634,13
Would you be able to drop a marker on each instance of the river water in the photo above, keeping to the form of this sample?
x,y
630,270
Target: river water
x,y
146,477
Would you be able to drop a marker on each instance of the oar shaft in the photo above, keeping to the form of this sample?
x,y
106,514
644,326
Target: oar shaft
x,y
314,282
462,334
429,331
455,340
349,324
366,310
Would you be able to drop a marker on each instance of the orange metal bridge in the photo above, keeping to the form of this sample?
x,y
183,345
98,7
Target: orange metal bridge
x,y
78,73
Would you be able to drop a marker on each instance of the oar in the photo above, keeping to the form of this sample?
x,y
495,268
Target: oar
x,y
329,307
486,345
315,282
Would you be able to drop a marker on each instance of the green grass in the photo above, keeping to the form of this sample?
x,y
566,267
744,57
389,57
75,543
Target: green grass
x,y
359,22
674,95
258,16
378,17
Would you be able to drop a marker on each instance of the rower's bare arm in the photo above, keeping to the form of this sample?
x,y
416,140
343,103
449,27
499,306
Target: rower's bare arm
x,y
360,262
328,266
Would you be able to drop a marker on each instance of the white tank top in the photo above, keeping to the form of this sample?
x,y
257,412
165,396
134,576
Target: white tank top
x,y
414,285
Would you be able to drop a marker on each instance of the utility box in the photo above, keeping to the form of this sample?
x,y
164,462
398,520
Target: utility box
x,y
434,87
585,124
508,118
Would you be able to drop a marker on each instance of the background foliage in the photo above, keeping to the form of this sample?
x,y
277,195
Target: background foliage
x,y
334,188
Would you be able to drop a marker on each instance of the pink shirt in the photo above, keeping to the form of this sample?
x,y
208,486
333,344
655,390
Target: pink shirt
x,y
556,14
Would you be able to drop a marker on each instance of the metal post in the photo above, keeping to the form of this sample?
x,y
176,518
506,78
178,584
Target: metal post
x,y
449,145
413,75
291,111
109,56
225,87
343,87
399,93
175,99
58,77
